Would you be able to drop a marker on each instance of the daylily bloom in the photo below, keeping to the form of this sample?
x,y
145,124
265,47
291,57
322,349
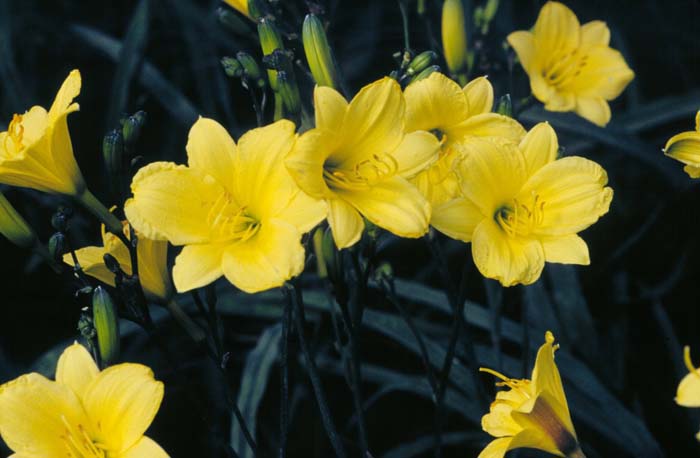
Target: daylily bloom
x,y
688,394
455,115
571,66
359,159
532,413
152,256
520,206
685,147
239,5
84,413
234,208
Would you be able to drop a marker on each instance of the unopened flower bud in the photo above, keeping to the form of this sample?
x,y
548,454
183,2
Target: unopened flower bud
x,y
251,70
232,21
13,226
270,40
505,106
115,163
331,257
318,52
131,130
421,62
454,37
289,91
111,263
106,325
255,9
57,246
232,67
425,73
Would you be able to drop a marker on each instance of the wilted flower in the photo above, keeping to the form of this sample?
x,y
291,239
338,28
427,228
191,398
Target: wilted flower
x,y
359,159
688,394
532,413
521,206
685,147
571,66
234,207
84,413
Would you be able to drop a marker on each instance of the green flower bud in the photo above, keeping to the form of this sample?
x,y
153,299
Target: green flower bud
x,y
232,67
421,62
106,325
13,226
111,263
57,246
318,52
251,70
425,73
131,130
270,40
454,37
505,106
255,9
115,161
288,89
331,257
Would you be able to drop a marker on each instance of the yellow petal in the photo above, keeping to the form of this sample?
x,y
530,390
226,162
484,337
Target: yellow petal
x,y
330,107
91,259
32,409
239,5
510,261
305,162
496,448
268,259
171,202
566,249
145,448
486,125
523,43
345,222
197,266
457,218
540,147
153,269
544,428
435,102
684,147
498,421
479,92
69,90
418,151
555,100
122,402
394,205
556,29
546,378
594,109
692,171
573,195
35,122
688,394
76,369
210,150
595,33
605,74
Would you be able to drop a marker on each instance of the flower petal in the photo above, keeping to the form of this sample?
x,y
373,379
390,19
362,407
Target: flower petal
x,y
394,205
540,147
417,152
684,147
76,369
63,103
479,92
510,261
546,426
91,260
594,109
145,448
457,218
153,269
330,107
122,402
210,150
523,42
573,193
32,409
171,202
566,249
546,379
486,125
595,33
435,102
496,448
605,74
556,29
305,161
268,259
197,266
345,222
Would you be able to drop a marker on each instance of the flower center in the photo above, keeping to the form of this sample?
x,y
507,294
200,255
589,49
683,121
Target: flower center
x,y
520,218
15,134
362,175
563,68
231,222
78,442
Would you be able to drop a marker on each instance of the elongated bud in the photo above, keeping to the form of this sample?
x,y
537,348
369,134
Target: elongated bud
x,y
270,40
505,106
106,325
318,52
321,267
13,226
289,91
232,67
331,257
57,246
425,73
251,69
111,263
116,162
454,38
255,9
421,62
131,130
232,21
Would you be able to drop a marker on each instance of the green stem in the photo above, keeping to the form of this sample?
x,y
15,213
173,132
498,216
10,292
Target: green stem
x,y
194,331
94,206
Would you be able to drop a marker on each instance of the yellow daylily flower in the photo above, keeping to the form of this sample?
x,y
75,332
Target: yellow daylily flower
x,y
152,256
456,115
358,159
239,5
234,208
685,147
85,413
36,150
688,394
532,413
571,66
519,206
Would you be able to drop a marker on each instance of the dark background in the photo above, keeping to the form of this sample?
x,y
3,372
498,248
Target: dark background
x,y
641,290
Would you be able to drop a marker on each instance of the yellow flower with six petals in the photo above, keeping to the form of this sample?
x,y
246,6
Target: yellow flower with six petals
x,y
685,147
688,394
358,159
571,66
532,413
85,413
456,115
521,206
234,208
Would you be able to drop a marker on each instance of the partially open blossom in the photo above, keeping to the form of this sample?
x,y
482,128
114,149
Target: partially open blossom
x,y
571,66
456,115
685,147
520,206
359,159
13,226
532,413
152,256
688,394
234,208
84,413
36,150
